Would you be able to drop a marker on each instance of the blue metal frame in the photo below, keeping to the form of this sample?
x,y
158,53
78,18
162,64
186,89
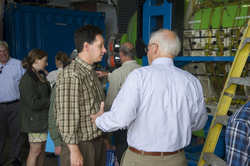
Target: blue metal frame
x,y
202,58
150,14
181,61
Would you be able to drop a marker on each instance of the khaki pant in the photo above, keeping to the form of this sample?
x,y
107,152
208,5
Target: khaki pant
x,y
133,159
93,152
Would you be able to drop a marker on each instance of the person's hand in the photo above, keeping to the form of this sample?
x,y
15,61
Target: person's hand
x,y
107,144
93,117
76,158
57,150
102,73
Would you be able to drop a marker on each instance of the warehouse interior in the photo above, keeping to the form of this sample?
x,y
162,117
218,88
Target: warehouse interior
x,y
211,33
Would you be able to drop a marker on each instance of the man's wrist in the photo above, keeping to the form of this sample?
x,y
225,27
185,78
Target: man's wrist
x,y
74,148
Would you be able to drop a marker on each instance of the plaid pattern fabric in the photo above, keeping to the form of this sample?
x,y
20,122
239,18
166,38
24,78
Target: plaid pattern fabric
x,y
237,137
78,95
37,137
53,130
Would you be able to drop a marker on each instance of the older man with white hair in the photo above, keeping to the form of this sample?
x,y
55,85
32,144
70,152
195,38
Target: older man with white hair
x,y
159,104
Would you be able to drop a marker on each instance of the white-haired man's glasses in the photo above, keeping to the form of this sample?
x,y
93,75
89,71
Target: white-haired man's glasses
x,y
146,48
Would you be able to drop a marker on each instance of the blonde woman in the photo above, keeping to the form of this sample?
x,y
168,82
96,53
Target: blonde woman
x,y
34,105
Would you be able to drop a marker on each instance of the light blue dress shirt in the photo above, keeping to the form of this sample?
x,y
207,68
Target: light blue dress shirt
x,y
160,105
10,77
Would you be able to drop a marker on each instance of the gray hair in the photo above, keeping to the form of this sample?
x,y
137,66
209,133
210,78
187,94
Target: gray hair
x,y
171,46
126,51
5,44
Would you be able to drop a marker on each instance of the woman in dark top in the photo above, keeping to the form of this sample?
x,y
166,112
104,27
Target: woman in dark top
x,y
34,105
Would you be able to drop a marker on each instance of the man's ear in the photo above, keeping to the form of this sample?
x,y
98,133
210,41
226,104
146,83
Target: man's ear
x,y
86,46
155,49
121,55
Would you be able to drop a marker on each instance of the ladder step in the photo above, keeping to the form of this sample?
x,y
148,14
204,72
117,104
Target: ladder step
x,y
213,160
222,119
238,81
242,97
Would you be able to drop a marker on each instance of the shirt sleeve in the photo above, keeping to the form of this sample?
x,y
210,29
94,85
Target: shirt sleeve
x,y
113,89
67,108
22,70
199,112
109,75
53,130
51,77
237,144
124,109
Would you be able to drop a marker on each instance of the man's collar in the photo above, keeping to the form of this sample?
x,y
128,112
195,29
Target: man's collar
x,y
9,62
129,62
83,63
162,60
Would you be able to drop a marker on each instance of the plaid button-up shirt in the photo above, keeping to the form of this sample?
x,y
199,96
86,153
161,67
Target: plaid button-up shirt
x,y
238,137
78,95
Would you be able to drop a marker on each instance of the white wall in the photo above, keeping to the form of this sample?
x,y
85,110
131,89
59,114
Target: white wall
x,y
111,17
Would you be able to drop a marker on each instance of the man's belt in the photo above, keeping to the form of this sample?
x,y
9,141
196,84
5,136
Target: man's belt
x,y
8,103
97,138
154,153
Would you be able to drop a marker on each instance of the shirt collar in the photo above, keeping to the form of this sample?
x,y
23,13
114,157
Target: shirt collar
x,y
163,60
129,62
10,62
84,64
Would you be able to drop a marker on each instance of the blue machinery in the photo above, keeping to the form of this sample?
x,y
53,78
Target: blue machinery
x,y
51,29
165,16
153,15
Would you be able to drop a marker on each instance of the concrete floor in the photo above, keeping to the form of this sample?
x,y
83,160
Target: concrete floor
x,y
48,161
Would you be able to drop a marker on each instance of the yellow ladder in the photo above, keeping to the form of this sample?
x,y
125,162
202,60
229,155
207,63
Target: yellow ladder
x,y
207,156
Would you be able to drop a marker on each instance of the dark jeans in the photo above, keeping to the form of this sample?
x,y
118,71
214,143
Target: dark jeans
x,y
121,145
9,114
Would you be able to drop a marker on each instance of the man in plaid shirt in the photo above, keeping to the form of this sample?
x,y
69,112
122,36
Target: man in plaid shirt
x,y
78,95
237,137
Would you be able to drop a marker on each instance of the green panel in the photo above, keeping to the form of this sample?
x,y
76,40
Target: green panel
x,y
216,18
132,33
228,18
201,1
228,21
199,133
124,38
205,19
139,61
132,29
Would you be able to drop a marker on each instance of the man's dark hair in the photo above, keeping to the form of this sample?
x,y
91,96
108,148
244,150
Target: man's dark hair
x,y
86,33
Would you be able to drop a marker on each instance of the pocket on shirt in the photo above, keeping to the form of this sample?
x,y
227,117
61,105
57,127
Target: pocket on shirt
x,y
38,123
